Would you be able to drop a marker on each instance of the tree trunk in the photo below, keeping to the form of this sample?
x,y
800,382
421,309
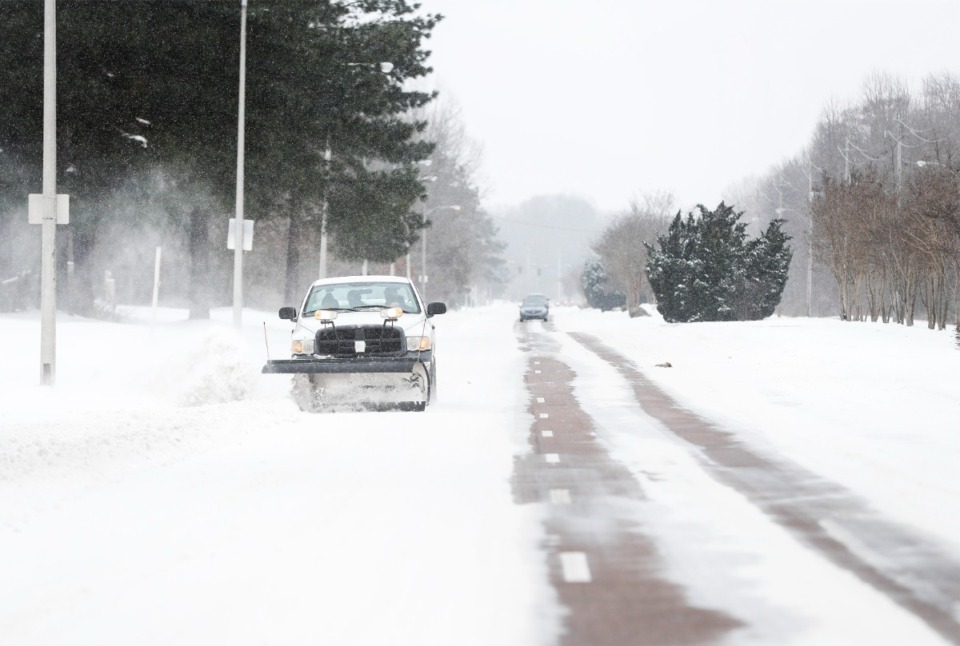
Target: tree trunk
x,y
200,263
292,289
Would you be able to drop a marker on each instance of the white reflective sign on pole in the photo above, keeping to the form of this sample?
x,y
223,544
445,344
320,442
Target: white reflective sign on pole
x,y
37,206
247,234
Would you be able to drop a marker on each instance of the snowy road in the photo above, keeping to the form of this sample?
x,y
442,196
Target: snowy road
x,y
582,449
187,500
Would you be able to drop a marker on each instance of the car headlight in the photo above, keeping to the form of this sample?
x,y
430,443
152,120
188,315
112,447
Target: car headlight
x,y
415,343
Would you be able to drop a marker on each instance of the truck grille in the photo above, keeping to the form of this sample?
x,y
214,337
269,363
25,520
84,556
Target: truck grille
x,y
380,341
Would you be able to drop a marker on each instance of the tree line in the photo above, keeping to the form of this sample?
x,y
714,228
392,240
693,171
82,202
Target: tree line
x,y
874,199
147,141
872,204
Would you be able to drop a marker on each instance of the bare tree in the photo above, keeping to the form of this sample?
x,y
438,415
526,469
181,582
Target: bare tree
x,y
463,254
621,247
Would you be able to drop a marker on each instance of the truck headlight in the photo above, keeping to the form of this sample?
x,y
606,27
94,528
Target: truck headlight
x,y
301,346
415,343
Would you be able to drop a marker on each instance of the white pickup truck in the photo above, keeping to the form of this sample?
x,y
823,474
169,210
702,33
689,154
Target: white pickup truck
x,y
361,340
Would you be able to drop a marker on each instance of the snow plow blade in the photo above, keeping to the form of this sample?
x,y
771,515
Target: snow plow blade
x,y
342,366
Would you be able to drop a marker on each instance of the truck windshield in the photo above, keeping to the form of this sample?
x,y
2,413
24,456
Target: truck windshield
x,y
357,297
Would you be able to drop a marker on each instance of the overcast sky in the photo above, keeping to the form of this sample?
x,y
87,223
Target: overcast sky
x,y
609,99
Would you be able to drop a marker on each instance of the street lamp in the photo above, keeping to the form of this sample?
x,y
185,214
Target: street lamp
x,y
48,251
423,249
241,118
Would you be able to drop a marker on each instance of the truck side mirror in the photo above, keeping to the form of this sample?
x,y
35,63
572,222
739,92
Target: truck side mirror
x,y
436,308
289,313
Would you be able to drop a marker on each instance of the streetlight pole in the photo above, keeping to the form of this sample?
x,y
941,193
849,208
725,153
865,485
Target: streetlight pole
x,y
48,233
241,118
323,213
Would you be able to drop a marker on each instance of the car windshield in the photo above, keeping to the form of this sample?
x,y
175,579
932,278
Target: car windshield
x,y
360,296
535,301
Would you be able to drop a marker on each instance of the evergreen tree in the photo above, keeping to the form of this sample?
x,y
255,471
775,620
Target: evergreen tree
x,y
592,281
767,260
150,86
706,270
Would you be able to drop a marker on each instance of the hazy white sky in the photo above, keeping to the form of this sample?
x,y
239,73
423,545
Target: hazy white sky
x,y
609,99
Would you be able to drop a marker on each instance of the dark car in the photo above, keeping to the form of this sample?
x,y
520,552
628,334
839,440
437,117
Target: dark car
x,y
535,306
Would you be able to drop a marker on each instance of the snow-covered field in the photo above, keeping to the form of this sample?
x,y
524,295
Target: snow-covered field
x,y
163,491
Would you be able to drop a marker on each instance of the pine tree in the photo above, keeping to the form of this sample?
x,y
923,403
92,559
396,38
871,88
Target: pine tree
x,y
592,280
148,86
706,270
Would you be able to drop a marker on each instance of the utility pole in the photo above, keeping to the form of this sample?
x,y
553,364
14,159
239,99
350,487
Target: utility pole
x,y
48,246
241,117
327,154
423,259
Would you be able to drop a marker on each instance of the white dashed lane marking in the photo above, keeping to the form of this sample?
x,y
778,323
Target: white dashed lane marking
x,y
544,416
540,400
552,458
575,567
546,433
560,496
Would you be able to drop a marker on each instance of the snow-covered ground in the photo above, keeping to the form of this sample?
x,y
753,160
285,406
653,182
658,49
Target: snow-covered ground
x,y
872,407
833,397
163,491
